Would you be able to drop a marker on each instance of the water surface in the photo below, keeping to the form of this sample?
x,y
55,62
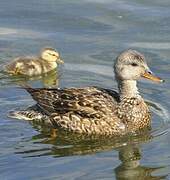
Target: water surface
x,y
89,35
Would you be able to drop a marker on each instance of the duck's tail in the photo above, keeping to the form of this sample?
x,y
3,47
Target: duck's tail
x,y
25,115
30,115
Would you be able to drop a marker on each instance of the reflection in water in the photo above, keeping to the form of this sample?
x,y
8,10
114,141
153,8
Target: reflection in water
x,y
68,144
78,144
48,80
130,168
51,79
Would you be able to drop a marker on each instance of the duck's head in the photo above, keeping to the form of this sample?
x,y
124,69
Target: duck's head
x,y
131,65
51,55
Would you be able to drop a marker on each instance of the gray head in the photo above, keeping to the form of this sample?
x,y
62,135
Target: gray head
x,y
131,65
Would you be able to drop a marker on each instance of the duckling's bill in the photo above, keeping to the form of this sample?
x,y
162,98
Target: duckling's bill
x,y
149,75
60,61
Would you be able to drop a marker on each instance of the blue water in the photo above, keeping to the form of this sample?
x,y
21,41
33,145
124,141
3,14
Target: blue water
x,y
89,34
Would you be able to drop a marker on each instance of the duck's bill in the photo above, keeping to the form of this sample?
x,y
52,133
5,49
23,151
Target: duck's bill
x,y
152,77
60,61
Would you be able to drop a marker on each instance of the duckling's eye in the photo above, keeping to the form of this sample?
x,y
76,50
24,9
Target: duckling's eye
x,y
134,64
52,54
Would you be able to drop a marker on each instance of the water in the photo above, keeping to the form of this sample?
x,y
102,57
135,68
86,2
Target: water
x,y
89,34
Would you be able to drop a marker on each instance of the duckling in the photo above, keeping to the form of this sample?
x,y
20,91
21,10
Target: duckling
x,y
34,66
94,110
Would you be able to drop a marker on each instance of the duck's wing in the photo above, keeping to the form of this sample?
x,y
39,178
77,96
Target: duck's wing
x,y
86,101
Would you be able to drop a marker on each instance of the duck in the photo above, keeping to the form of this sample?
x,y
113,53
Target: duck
x,y
35,66
94,110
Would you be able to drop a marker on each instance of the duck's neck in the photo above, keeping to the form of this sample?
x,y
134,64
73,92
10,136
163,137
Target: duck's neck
x,y
52,64
49,60
128,89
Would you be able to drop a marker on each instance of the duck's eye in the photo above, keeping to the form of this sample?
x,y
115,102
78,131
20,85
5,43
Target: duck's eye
x,y
52,54
134,64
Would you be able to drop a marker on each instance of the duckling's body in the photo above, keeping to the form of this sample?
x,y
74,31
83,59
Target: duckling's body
x,y
33,66
93,110
30,66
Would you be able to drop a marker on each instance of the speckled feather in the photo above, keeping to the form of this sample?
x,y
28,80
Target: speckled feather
x,y
91,110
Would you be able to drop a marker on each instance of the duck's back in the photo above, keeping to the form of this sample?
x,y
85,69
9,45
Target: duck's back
x,y
75,99
84,110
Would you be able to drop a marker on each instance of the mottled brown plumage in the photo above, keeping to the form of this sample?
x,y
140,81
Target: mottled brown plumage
x,y
95,110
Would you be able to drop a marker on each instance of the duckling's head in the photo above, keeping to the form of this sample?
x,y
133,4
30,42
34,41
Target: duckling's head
x,y
131,65
51,55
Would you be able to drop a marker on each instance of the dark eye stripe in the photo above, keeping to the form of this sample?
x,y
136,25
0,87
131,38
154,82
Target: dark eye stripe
x,y
52,54
134,64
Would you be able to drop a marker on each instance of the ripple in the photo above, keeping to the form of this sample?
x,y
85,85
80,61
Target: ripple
x,y
11,32
98,69
151,45
158,109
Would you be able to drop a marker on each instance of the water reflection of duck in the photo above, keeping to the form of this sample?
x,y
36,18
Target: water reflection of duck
x,y
34,66
48,80
51,79
94,110
69,144
130,168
